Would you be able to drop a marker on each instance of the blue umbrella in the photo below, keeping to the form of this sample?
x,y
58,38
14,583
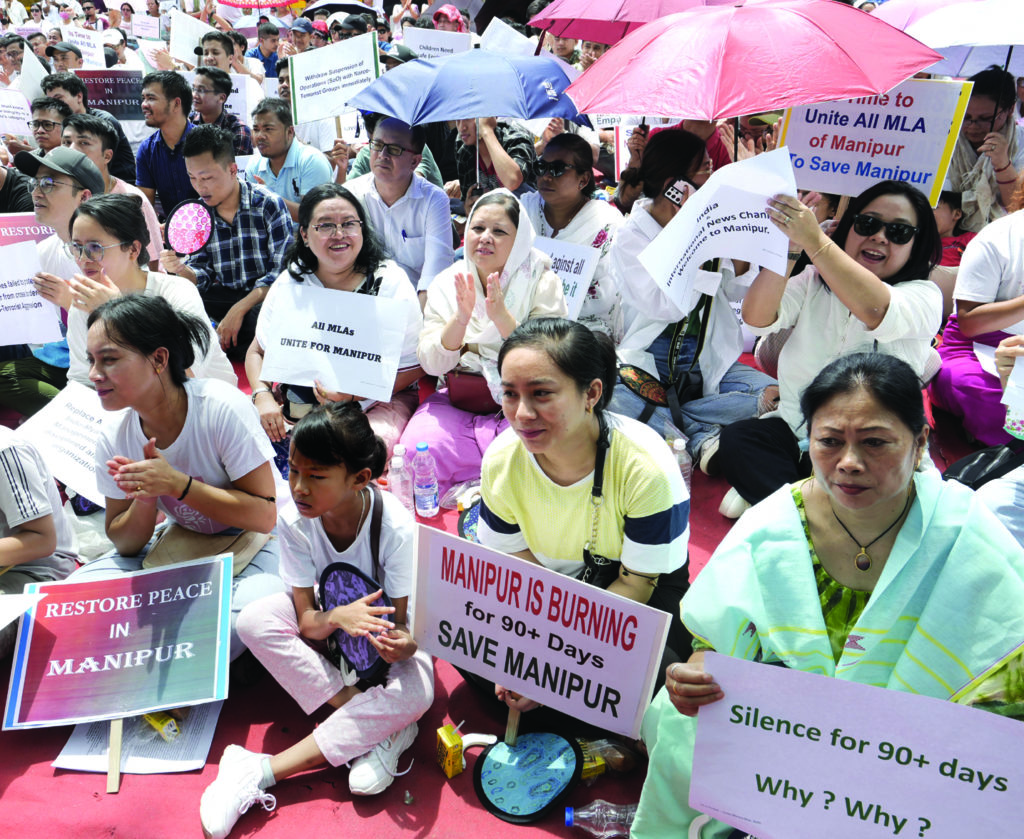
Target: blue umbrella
x,y
477,83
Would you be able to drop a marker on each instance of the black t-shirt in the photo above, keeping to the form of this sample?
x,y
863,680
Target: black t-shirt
x,y
15,196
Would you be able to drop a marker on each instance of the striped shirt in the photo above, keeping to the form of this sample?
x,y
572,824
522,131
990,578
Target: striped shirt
x,y
643,519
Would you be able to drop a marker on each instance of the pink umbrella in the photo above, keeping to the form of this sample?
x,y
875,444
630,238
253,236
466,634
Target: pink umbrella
x,y
608,21
722,61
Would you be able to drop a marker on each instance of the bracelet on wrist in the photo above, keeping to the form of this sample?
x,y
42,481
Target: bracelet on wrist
x,y
188,486
1004,183
1007,166
819,250
794,255
258,391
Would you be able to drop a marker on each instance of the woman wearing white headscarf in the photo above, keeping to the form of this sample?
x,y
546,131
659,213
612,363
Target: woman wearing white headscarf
x,y
471,308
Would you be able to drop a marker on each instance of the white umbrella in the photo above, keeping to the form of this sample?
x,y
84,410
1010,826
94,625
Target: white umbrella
x,y
971,36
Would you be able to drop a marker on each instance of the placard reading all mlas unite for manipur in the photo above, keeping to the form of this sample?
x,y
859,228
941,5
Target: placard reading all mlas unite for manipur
x,y
139,642
549,637
907,134
794,755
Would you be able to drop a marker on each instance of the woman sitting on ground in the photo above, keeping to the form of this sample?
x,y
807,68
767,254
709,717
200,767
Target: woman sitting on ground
x,y
335,510
471,308
191,449
867,289
675,164
337,250
564,208
538,477
871,549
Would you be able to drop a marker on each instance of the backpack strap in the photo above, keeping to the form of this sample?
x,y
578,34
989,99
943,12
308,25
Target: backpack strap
x,y
376,517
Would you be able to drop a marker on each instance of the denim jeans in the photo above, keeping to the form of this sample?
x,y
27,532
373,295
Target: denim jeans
x,y
737,396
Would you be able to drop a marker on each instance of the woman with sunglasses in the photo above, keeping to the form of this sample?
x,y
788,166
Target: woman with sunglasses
x,y
563,208
866,290
109,242
335,249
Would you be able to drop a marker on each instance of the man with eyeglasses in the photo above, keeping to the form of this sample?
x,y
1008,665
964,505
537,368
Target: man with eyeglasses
x,y
92,20
71,90
48,116
344,26
285,166
412,216
211,88
60,183
252,229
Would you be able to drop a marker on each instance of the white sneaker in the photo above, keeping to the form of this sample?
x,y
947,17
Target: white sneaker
x,y
706,456
374,771
733,505
235,790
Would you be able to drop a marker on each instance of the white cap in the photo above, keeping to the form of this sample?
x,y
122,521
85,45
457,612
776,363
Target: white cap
x,y
678,444
398,462
399,450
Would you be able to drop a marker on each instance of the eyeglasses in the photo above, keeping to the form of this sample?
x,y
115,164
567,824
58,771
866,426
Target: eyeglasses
x,y
92,251
347,228
554,168
45,124
202,91
393,149
47,185
896,232
981,120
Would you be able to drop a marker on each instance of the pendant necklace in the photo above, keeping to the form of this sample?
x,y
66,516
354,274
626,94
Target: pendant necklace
x,y
863,559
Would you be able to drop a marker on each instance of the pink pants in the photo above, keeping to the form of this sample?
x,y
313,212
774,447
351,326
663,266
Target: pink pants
x,y
271,631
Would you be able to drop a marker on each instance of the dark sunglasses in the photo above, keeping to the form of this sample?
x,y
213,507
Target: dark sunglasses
x,y
554,168
897,232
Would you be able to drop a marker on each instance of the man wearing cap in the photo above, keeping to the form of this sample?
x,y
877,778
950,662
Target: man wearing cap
x,y
412,216
160,164
71,90
396,55
64,56
302,34
127,59
211,88
269,36
342,26
284,165
60,182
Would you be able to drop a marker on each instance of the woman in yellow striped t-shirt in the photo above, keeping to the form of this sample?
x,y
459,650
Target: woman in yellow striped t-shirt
x,y
539,475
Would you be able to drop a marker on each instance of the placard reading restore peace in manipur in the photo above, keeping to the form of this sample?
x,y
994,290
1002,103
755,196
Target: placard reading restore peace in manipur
x,y
793,755
325,79
118,92
139,642
549,637
351,343
728,218
907,134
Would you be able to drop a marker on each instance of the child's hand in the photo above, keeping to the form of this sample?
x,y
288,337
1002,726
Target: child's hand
x,y
360,618
394,645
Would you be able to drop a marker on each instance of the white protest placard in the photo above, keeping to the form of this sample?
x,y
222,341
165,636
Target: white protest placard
x,y
324,80
727,217
90,43
25,317
30,82
144,26
793,755
436,43
1013,395
15,113
65,433
907,134
351,344
147,53
186,32
575,266
554,639
500,37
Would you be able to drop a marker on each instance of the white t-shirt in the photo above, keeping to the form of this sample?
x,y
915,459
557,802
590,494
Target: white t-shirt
x,y
992,268
28,492
306,550
183,296
220,442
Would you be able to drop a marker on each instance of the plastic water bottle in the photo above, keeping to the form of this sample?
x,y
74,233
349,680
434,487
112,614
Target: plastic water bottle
x,y
684,460
425,482
400,483
602,818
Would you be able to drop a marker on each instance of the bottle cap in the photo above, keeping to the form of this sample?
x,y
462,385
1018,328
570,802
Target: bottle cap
x,y
678,444
398,462
422,447
399,450
568,816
